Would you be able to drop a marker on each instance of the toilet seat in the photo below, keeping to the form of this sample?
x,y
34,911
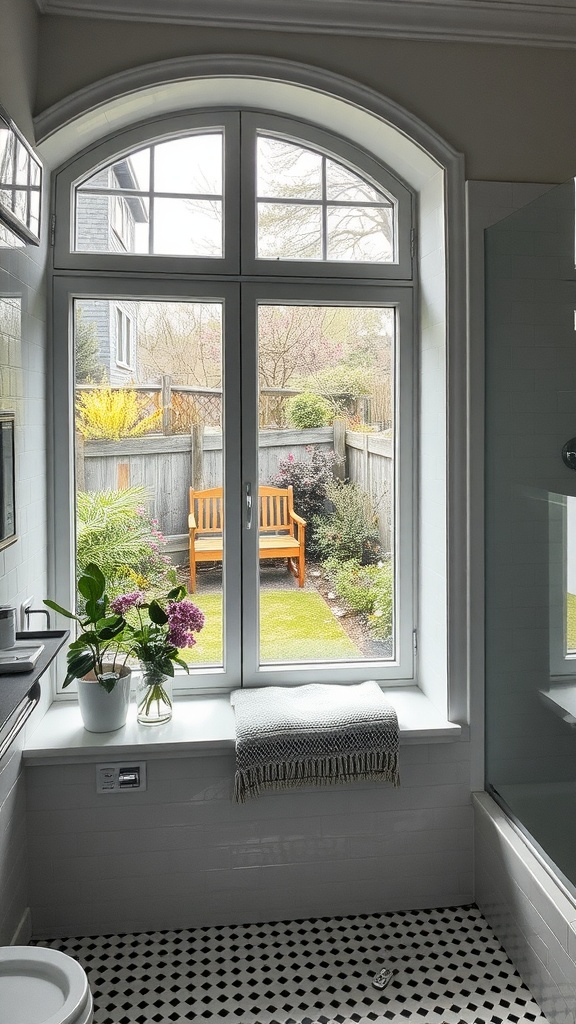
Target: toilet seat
x,y
43,986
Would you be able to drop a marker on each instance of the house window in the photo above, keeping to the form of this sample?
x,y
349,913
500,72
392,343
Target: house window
x,y
124,351
263,449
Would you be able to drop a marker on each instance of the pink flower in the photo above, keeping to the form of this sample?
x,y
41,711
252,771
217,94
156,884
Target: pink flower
x,y
184,619
120,605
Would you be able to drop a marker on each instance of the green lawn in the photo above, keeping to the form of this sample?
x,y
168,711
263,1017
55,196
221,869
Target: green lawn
x,y
295,626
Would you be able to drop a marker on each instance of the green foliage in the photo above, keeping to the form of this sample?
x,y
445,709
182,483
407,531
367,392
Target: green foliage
x,y
308,410
308,478
342,379
100,636
88,367
109,414
350,530
115,531
368,589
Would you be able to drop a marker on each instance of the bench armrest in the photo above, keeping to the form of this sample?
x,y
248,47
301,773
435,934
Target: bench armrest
x,y
191,522
297,519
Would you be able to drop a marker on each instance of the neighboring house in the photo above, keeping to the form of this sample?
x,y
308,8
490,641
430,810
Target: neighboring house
x,y
108,224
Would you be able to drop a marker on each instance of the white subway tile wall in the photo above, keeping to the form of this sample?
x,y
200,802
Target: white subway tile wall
x,y
23,386
183,854
531,916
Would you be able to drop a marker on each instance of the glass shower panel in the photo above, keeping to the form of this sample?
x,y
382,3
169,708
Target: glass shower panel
x,y
531,523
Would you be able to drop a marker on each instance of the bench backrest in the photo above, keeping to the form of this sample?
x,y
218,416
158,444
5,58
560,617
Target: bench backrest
x,y
275,505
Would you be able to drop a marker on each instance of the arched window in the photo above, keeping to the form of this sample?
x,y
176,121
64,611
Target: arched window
x,y
241,393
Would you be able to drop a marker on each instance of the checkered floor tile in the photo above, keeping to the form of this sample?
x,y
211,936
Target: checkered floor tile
x,y
448,969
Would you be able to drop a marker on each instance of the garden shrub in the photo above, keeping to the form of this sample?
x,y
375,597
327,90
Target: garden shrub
x,y
115,531
367,589
308,410
109,414
350,530
309,478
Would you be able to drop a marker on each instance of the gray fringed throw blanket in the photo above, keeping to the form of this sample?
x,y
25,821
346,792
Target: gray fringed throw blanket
x,y
313,735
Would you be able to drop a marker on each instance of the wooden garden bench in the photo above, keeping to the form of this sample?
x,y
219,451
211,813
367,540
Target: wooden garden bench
x,y
282,531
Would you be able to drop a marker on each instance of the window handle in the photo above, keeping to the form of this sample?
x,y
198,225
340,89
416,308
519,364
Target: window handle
x,y
248,493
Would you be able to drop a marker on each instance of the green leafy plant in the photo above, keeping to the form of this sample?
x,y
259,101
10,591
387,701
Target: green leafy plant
x,y
106,413
115,531
368,589
99,642
350,529
308,410
309,478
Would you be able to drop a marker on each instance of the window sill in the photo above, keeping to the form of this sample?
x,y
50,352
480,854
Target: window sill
x,y
561,699
201,726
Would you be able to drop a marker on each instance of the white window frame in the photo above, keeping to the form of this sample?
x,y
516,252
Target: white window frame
x,y
124,331
381,284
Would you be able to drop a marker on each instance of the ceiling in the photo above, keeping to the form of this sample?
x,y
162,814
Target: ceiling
x,y
528,22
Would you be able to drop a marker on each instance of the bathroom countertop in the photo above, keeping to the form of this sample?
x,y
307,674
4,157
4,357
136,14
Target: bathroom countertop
x,y
16,688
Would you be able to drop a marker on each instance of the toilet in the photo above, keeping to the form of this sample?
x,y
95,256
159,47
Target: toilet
x,y
42,986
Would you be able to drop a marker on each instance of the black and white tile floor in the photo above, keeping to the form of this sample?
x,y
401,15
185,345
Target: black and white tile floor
x,y
449,968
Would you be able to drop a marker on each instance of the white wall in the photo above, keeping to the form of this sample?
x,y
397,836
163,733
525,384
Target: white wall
x,y
183,854
22,389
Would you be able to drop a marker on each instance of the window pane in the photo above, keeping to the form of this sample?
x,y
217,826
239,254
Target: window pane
x,y
188,227
131,172
22,162
7,150
192,165
98,220
145,433
360,234
289,231
34,211
286,171
327,430
343,185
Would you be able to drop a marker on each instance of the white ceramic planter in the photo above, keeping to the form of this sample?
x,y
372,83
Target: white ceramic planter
x,y
102,711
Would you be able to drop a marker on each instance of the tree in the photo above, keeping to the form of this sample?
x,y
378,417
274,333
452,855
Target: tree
x,y
183,339
359,217
89,369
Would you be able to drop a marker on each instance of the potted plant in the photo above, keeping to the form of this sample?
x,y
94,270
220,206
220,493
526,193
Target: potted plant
x,y
155,632
97,658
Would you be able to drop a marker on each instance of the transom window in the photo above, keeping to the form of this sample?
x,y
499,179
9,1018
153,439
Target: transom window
x,y
252,434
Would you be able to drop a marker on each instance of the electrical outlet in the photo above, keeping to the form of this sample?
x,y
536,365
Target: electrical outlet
x,y
25,619
120,777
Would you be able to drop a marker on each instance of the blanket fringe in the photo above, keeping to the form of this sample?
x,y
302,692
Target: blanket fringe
x,y
377,766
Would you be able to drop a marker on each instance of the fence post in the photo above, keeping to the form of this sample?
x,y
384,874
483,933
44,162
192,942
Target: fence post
x,y
79,460
365,463
340,449
166,403
197,456
123,476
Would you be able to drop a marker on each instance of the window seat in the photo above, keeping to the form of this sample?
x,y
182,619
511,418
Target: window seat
x,y
201,726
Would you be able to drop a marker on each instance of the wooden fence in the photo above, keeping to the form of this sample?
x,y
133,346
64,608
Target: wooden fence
x,y
167,464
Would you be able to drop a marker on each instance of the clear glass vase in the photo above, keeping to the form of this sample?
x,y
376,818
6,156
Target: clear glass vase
x,y
153,696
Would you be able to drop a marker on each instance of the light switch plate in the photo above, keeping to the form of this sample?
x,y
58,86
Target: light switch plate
x,y
121,777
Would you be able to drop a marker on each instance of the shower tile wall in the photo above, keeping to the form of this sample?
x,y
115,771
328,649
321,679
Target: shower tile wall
x,y
532,918
22,564
182,854
530,402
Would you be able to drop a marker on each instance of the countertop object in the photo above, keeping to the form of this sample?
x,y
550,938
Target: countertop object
x,y
20,691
